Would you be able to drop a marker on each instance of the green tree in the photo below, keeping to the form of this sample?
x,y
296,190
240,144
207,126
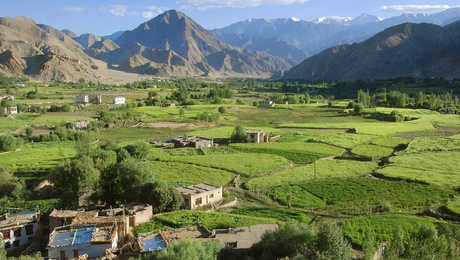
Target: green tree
x,y
123,181
288,241
369,245
29,131
222,110
307,98
8,143
75,178
2,249
331,243
10,185
139,150
239,135
162,197
191,250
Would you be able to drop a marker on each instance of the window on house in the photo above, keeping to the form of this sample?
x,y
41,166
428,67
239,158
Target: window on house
x,y
16,243
198,201
211,196
75,253
17,232
7,245
29,230
231,244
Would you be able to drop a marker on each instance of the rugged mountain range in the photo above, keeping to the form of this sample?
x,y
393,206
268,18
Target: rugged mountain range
x,y
419,50
168,45
42,52
312,37
173,44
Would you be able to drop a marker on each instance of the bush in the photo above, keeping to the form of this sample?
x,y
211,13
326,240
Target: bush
x,y
8,143
139,150
222,110
239,135
29,131
191,250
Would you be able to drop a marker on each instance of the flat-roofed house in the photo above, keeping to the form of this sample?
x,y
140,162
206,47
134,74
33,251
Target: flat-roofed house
x,y
13,110
119,100
199,195
267,103
256,136
82,99
73,241
193,141
19,229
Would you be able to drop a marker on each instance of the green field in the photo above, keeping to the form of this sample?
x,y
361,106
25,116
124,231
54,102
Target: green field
x,y
186,174
383,226
372,151
211,220
359,195
226,131
300,152
38,156
454,206
324,169
432,144
441,168
130,135
341,139
246,164
281,214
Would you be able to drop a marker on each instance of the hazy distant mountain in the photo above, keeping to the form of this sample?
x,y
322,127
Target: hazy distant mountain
x,y
172,43
419,50
113,36
42,52
320,34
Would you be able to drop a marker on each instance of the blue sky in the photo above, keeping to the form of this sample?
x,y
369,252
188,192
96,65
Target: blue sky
x,y
107,16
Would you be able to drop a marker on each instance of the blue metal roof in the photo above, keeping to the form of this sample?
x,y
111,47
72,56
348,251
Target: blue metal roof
x,y
153,244
74,237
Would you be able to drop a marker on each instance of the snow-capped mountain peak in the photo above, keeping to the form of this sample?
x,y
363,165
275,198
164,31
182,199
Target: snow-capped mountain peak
x,y
333,19
295,19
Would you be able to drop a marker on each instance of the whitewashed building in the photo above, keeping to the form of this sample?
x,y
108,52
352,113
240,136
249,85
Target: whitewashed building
x,y
200,195
119,100
83,99
18,229
74,241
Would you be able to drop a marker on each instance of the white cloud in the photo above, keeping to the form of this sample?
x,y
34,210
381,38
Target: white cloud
x,y
152,11
73,9
417,8
208,4
118,10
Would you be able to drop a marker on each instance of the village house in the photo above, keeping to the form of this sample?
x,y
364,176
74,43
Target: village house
x,y
242,238
168,105
7,97
126,218
193,141
257,136
76,240
200,195
83,99
81,125
13,110
119,101
267,104
19,229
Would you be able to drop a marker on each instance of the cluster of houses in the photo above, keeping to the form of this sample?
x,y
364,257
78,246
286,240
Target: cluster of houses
x,y
97,99
104,232
9,110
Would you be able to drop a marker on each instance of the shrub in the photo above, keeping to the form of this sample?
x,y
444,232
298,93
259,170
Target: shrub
x,y
139,150
29,131
222,110
8,143
239,135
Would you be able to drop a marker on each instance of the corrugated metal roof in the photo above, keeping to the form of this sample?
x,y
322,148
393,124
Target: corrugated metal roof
x,y
153,244
74,237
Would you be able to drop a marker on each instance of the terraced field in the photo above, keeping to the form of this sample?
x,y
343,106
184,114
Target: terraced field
x,y
353,195
176,173
324,169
